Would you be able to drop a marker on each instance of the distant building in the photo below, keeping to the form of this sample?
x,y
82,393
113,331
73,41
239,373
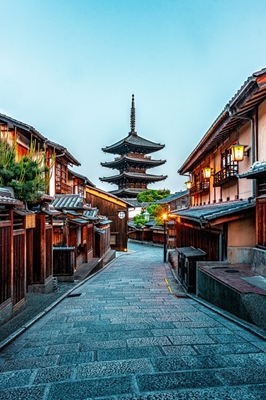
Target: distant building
x,y
132,163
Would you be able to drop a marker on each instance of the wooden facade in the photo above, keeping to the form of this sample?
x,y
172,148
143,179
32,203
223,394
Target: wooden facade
x,y
226,217
16,238
116,210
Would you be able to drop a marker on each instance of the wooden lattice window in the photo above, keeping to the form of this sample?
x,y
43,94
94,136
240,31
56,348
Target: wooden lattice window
x,y
261,221
60,175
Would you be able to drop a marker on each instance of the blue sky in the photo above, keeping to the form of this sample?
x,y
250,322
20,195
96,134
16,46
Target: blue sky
x,y
69,68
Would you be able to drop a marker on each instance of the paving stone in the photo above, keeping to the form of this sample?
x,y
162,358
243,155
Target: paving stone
x,y
83,389
191,339
150,341
54,374
237,376
134,353
127,337
103,344
224,393
76,358
188,362
226,349
109,368
31,363
17,378
25,393
64,348
172,332
177,380
181,350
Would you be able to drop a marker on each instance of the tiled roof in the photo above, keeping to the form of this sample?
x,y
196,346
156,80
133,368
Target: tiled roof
x,y
7,197
173,197
125,161
205,214
257,169
64,152
70,201
90,213
134,176
82,177
133,141
13,122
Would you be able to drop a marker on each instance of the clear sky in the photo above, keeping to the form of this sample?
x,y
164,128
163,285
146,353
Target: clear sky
x,y
69,68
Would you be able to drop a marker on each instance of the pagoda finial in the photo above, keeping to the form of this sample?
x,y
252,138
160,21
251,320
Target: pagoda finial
x,y
132,116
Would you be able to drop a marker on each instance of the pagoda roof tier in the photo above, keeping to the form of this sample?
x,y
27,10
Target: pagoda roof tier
x,y
133,143
126,192
125,161
133,177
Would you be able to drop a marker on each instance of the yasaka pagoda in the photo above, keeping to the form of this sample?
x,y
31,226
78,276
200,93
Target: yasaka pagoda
x,y
132,162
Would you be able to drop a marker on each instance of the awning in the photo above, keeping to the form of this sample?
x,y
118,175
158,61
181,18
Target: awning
x,y
79,221
212,214
256,170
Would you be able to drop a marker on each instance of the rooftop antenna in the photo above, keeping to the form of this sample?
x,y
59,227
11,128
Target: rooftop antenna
x,y
132,116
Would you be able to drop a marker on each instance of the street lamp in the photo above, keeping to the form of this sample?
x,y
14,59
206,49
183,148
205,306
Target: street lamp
x,y
146,216
164,234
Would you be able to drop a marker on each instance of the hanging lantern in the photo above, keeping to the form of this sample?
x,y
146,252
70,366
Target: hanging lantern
x,y
188,184
238,152
207,172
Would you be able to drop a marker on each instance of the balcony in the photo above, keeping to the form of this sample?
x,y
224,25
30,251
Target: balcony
x,y
226,174
200,187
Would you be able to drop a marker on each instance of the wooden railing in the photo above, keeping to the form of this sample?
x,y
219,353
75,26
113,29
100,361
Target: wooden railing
x,y
225,174
200,187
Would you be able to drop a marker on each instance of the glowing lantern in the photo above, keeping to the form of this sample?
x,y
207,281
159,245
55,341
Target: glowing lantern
x,y
238,152
207,172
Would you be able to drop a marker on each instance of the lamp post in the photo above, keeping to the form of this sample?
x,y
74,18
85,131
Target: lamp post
x,y
164,234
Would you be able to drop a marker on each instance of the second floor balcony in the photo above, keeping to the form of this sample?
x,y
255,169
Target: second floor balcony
x,y
227,173
200,187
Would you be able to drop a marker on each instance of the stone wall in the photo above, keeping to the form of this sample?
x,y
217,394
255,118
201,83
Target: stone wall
x,y
258,261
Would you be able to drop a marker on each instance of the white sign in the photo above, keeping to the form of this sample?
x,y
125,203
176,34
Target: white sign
x,y
121,214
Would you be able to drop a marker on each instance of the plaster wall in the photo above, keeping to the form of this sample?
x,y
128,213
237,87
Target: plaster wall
x,y
242,233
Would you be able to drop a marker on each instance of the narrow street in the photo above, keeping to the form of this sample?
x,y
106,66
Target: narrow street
x,y
130,333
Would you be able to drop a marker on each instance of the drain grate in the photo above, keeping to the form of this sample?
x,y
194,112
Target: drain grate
x,y
74,295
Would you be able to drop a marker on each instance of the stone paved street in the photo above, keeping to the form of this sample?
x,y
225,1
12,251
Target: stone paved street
x,y
130,333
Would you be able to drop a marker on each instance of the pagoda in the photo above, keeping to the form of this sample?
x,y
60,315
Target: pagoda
x,y
132,162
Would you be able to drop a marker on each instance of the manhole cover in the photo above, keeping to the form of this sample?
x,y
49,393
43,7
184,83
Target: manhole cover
x,y
74,295
219,267
232,271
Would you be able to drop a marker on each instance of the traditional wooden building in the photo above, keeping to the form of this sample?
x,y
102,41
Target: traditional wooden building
x,y
132,163
16,256
116,210
227,181
78,183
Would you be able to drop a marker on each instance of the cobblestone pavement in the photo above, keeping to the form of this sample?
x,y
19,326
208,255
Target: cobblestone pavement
x,y
129,334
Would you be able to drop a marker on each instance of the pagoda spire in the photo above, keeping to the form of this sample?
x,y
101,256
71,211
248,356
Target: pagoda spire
x,y
132,117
